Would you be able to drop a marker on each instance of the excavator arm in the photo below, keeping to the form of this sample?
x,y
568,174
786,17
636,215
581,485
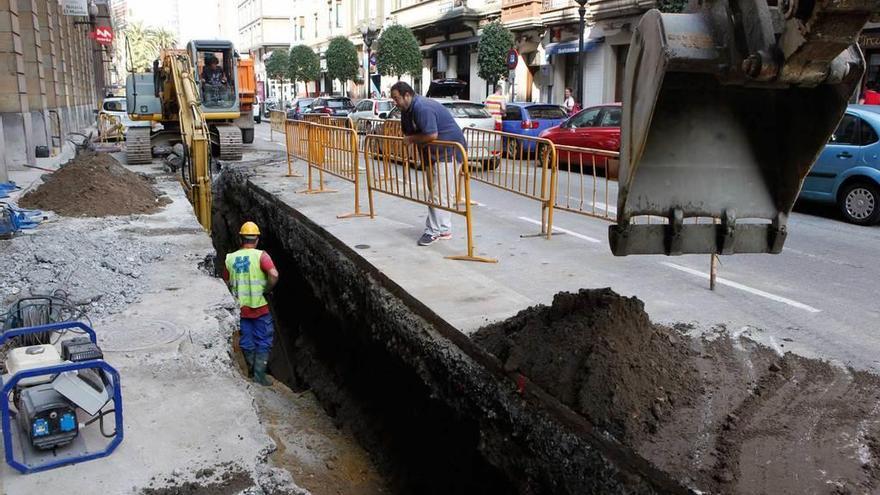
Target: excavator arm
x,y
726,108
181,90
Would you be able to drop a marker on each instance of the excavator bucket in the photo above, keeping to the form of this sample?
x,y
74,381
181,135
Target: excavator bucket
x,y
719,131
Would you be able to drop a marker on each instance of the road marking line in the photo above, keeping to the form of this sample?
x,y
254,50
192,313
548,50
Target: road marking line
x,y
564,231
745,288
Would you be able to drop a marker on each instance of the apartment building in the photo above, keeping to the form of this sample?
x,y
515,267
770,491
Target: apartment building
x,y
264,26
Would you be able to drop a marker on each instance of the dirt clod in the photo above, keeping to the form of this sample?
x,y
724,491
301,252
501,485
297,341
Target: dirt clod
x,y
95,185
600,354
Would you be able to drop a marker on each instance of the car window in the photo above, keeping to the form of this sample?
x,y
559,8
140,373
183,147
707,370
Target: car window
x,y
385,106
395,114
586,118
512,113
363,106
611,117
552,112
341,103
468,110
114,106
846,131
868,134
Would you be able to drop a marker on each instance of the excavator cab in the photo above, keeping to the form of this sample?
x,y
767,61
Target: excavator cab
x,y
725,110
217,76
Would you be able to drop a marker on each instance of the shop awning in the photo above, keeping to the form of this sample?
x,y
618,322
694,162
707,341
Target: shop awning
x,y
571,46
472,40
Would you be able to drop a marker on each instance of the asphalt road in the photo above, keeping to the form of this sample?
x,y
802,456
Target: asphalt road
x,y
819,298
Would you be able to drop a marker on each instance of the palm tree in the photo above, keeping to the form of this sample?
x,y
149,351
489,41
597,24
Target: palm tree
x,y
162,38
140,51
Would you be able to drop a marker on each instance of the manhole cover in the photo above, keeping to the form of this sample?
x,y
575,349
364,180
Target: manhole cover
x,y
127,336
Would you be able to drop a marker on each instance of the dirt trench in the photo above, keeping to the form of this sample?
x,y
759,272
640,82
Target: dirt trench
x,y
437,413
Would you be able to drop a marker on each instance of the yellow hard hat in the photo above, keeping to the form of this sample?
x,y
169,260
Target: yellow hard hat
x,y
249,228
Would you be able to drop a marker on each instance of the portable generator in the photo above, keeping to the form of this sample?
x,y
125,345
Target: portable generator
x,y
55,397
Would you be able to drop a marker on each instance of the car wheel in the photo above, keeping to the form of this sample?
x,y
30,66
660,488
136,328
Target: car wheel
x,y
859,203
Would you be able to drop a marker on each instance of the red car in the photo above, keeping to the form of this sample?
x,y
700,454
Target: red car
x,y
597,128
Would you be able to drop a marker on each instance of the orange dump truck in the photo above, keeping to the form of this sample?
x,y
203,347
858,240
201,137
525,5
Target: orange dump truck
x,y
247,96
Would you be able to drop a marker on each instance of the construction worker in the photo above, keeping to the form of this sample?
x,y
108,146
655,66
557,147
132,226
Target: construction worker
x,y
496,104
251,275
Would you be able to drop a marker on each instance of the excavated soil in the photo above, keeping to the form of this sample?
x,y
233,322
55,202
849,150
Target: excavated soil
x,y
94,185
721,413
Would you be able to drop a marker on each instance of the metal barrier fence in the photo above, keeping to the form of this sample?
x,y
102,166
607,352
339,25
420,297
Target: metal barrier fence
x,y
429,175
296,137
276,122
109,128
579,188
313,118
344,122
334,150
520,164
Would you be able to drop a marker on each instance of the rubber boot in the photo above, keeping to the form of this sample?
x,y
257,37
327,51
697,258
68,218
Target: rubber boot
x,y
260,362
249,357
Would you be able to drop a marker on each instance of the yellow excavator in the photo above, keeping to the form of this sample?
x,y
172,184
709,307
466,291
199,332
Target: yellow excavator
x,y
726,107
180,106
212,69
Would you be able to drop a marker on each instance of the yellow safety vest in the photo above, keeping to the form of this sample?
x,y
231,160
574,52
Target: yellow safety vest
x,y
247,279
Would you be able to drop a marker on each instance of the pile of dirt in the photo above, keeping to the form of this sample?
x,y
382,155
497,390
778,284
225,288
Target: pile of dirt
x,y
95,185
721,414
599,353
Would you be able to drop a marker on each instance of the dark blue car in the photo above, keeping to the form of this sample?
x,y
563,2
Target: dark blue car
x,y
847,172
529,119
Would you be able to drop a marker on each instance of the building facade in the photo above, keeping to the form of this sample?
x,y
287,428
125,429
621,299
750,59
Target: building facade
x,y
55,75
265,26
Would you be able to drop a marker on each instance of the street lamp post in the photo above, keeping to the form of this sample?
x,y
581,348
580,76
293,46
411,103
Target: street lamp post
x,y
582,88
369,32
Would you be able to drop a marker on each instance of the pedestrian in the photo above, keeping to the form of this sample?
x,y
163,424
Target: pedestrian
x,y
424,121
251,274
871,96
570,105
496,104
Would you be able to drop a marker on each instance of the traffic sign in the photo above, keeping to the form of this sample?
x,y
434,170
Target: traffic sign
x,y
103,35
512,59
373,58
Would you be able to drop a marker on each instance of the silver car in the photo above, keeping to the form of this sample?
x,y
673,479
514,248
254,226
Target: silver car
x,y
371,109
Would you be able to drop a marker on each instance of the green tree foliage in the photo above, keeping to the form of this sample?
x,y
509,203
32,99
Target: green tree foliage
x,y
672,6
399,52
342,60
495,42
276,67
303,65
144,45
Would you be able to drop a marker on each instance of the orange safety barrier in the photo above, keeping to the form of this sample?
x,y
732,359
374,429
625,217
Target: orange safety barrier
x,y
334,150
344,122
296,136
429,175
277,118
523,165
314,118
585,178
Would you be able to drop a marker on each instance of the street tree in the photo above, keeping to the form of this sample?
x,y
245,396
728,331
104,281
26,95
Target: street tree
x,y
495,42
399,52
342,60
303,65
162,38
276,68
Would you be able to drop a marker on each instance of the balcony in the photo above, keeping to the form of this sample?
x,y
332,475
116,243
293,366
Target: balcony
x,y
559,11
521,13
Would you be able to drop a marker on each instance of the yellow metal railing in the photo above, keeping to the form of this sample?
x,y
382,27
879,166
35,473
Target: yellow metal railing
x,y
314,118
585,184
519,164
109,128
296,138
429,175
276,122
334,150
344,122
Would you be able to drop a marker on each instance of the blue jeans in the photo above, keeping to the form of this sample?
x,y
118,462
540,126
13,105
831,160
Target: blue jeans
x,y
256,333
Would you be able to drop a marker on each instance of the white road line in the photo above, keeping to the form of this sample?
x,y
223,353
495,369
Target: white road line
x,y
564,231
744,288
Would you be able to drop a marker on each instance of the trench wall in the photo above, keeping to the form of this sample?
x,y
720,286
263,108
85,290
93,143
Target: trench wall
x,y
438,413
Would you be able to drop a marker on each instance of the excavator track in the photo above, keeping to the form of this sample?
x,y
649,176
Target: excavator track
x,y
226,142
137,146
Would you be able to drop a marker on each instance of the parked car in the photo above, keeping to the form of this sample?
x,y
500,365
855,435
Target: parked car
x,y
847,172
371,109
337,106
301,104
596,128
529,119
115,107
